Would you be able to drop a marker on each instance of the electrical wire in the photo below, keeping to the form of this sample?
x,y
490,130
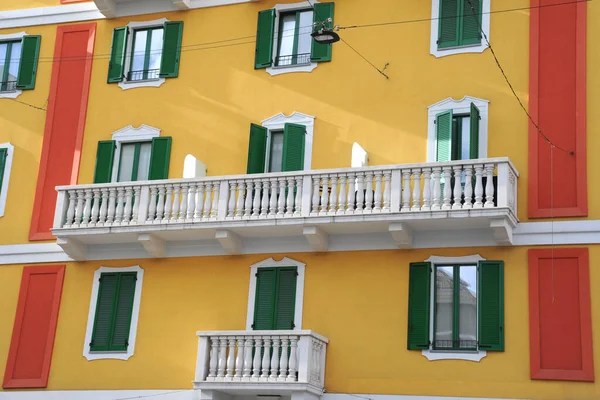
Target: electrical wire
x,y
27,104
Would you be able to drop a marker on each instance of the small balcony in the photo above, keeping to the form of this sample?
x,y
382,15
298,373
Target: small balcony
x,y
318,210
270,363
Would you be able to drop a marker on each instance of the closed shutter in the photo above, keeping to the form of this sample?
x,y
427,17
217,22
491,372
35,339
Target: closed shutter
x,y
30,52
160,156
294,137
286,298
443,142
123,310
104,161
419,289
322,52
474,145
3,155
491,305
116,68
471,23
265,32
171,51
264,305
103,320
448,22
257,149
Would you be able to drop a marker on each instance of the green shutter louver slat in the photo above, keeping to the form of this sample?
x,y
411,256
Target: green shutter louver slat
x,y
104,161
265,33
443,127
294,136
123,311
491,305
474,145
171,51
3,155
116,68
448,21
103,319
419,289
264,304
322,52
257,149
160,156
286,298
471,24
30,52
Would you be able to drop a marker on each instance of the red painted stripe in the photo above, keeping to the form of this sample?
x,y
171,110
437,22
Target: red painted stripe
x,y
65,122
557,102
32,340
560,318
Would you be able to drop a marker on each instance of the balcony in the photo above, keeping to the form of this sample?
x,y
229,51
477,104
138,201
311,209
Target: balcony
x,y
399,206
269,363
121,8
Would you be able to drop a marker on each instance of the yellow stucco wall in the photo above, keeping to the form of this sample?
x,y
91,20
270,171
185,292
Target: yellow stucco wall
x,y
356,299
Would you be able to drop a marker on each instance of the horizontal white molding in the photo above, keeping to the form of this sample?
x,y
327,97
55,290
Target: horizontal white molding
x,y
525,234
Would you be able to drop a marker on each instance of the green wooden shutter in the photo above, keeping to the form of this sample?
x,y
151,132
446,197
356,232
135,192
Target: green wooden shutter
x,y
30,52
265,32
103,319
264,304
474,145
3,155
257,149
105,156
160,156
322,52
294,137
286,298
419,290
491,305
471,24
443,142
448,21
123,310
116,68
171,51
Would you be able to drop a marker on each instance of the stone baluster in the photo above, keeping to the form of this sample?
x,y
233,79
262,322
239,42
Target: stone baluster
x,y
71,208
281,198
248,358
191,202
199,202
120,205
222,357
447,188
207,200
239,359
360,188
416,200
79,208
378,192
185,189
426,190
266,360
350,203
231,357
315,195
325,195
248,200
275,358
232,200
435,176
489,185
137,191
95,207
168,203
257,357
298,200
291,377
160,205
257,199
264,206
478,186
405,190
103,206
457,187
342,197
289,204
239,207
273,200
283,364
152,204
112,197
369,194
176,202
468,186
334,194
87,209
215,200
214,358
128,205
387,191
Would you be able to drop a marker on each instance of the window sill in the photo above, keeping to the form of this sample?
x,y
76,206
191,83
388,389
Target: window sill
x,y
108,355
13,94
448,51
285,69
143,83
434,355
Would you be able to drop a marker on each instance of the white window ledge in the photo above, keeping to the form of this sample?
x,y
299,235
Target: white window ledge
x,y
138,84
13,94
435,355
288,69
10,149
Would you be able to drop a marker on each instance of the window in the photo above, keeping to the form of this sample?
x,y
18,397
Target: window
x,y
6,156
456,305
18,63
284,42
10,56
134,164
145,53
276,152
457,136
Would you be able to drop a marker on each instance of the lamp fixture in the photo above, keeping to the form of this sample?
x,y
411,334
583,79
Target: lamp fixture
x,y
323,34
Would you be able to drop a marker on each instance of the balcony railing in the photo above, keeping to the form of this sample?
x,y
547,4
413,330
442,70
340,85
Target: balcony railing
x,y
294,59
8,86
262,360
143,75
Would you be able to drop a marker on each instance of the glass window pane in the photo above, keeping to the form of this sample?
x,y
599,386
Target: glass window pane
x,y
156,44
144,162
126,162
304,38
286,38
468,307
13,68
444,281
139,50
3,49
276,156
465,134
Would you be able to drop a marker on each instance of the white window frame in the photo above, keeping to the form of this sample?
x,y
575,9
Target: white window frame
x,y
135,314
434,355
13,94
277,123
285,69
462,106
10,150
473,48
131,27
271,263
129,134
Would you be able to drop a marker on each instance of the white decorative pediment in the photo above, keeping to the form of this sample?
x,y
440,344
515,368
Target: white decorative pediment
x,y
131,134
295,118
450,103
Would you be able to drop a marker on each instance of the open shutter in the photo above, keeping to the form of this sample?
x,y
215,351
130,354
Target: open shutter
x,y
123,310
30,52
171,51
419,289
265,32
286,298
443,142
264,305
116,68
105,156
474,145
471,23
322,52
3,155
257,149
160,156
294,136
448,23
103,320
491,305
